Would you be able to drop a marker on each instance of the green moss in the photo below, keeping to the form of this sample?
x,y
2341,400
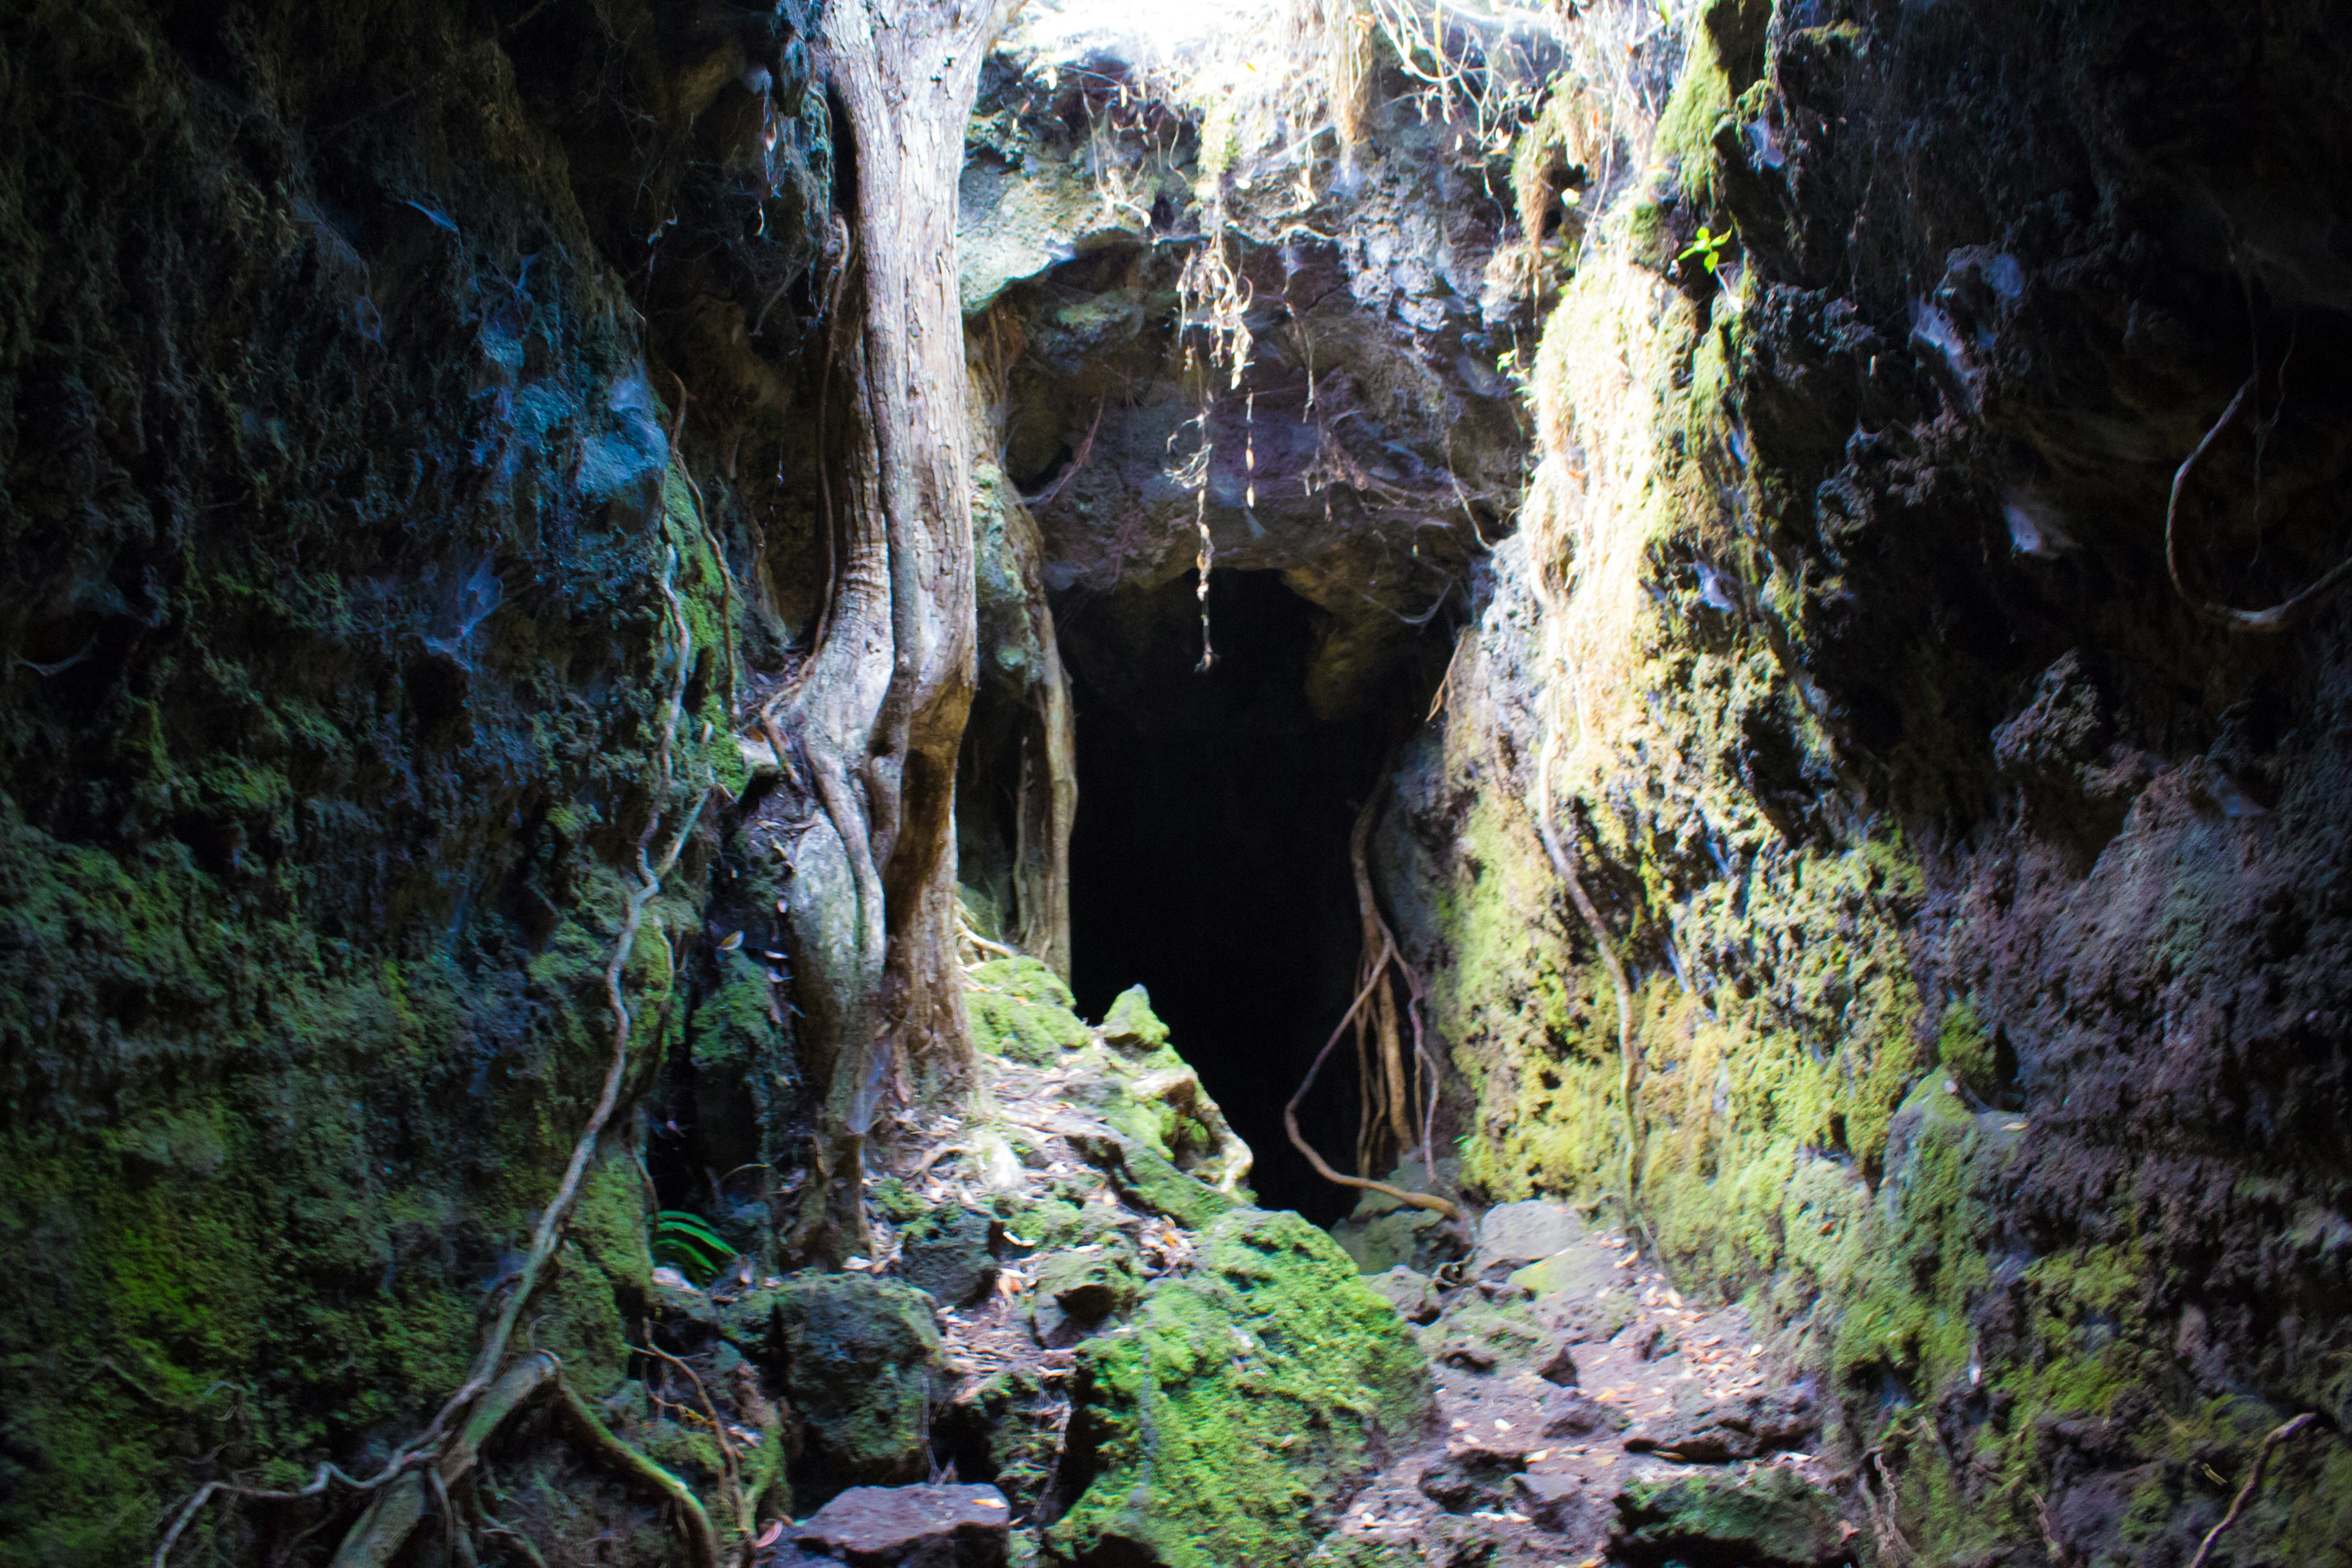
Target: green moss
x,y
1021,1009
1131,1026
1227,1422
1965,1051
1701,97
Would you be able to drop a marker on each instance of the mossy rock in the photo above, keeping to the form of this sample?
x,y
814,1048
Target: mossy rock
x,y
1769,1518
1021,1009
1075,1291
1131,1026
948,1254
1002,1430
1485,1336
860,1362
1227,1422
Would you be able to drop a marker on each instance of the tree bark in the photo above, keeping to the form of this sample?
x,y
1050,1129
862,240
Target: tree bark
x,y
881,707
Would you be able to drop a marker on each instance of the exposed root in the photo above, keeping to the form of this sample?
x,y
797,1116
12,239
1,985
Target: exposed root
x,y
2253,1480
1894,1547
2278,618
398,1509
1386,1121
1430,1201
730,1461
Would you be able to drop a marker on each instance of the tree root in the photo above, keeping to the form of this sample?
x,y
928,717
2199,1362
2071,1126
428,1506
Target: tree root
x,y
1387,1099
2246,1489
1430,1201
2278,618
397,1509
694,1523
731,1462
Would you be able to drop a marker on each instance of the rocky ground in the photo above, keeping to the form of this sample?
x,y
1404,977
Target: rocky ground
x,y
1078,1342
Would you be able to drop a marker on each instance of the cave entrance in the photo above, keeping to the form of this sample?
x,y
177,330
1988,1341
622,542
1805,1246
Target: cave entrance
x,y
1208,860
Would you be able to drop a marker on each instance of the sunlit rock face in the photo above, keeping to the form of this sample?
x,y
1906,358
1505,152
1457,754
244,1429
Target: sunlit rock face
x,y
1218,310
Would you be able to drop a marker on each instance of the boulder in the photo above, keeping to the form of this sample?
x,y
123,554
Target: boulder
x,y
909,1527
948,1253
1523,1233
859,1361
1768,1517
1230,1419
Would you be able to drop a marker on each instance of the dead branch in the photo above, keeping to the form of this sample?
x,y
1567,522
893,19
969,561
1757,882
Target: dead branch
x,y
1430,1201
2276,1436
2278,618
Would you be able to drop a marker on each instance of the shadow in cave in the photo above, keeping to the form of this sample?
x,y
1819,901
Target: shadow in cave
x,y
1208,860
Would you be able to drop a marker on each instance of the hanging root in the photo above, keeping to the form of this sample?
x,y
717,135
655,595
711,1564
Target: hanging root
x,y
2278,618
1430,1201
2253,1480
1387,1096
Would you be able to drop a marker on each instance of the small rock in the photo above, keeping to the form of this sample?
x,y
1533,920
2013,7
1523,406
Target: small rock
x,y
1077,1291
910,1527
1574,1413
1413,1295
1526,1232
1655,1341
1559,1367
1552,1501
1471,1478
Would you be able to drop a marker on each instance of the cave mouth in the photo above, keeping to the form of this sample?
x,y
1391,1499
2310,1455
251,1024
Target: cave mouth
x,y
1208,860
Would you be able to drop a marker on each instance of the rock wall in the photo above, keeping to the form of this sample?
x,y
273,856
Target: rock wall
x,y
361,629
1975,878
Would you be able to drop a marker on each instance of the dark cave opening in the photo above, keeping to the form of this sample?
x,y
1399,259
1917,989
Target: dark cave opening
x,y
1208,860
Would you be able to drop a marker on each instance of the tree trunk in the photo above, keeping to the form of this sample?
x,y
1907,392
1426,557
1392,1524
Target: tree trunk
x,y
882,705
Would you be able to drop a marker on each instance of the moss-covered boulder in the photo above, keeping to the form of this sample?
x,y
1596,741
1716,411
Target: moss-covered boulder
x,y
1769,1518
1231,1419
1131,1026
1076,1290
948,1253
1021,1009
860,1362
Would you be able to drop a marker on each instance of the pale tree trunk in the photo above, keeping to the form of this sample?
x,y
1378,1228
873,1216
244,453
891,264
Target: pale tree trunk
x,y
882,705
1048,798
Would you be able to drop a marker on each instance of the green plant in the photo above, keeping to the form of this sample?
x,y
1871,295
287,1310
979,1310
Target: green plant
x,y
1709,247
688,1241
